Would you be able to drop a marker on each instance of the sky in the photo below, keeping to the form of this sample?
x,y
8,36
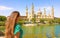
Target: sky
x,y
8,6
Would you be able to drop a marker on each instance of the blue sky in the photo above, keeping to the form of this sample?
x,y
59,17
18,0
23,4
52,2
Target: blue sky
x,y
7,6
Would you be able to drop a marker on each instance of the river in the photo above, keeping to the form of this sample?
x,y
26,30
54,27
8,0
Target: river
x,y
41,31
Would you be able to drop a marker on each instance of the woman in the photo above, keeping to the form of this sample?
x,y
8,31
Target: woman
x,y
12,26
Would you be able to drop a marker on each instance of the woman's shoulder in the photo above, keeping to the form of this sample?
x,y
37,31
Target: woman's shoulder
x,y
17,25
17,28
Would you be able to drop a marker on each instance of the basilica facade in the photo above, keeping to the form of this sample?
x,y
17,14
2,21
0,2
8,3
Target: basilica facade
x,y
39,14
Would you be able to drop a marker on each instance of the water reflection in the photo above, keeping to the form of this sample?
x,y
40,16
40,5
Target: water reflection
x,y
51,31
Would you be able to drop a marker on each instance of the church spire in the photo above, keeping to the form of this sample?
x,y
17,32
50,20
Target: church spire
x,y
26,11
39,10
39,13
49,15
32,6
26,7
32,10
52,12
45,12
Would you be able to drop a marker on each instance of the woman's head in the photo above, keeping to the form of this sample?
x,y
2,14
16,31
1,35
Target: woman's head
x,y
10,23
15,15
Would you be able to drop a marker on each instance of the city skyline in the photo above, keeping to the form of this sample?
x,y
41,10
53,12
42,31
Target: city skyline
x,y
7,6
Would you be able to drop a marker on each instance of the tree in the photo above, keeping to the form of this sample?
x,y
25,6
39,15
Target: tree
x,y
21,21
33,20
2,23
58,20
42,20
2,18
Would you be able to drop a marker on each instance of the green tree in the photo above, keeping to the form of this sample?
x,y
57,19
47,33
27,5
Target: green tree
x,y
50,21
2,18
2,23
47,20
42,20
33,20
58,20
21,22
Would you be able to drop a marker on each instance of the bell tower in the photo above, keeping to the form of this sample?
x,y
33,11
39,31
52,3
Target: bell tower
x,y
44,12
52,12
32,10
27,11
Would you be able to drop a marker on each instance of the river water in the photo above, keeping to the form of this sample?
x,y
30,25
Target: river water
x,y
41,31
48,31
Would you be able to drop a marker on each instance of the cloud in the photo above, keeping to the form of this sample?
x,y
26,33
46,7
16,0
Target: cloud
x,y
5,8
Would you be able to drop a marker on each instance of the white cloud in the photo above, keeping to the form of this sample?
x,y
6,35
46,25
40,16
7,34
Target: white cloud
x,y
5,8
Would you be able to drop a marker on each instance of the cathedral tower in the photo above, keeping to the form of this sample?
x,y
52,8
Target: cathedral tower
x,y
27,11
49,16
52,14
44,13
32,11
39,13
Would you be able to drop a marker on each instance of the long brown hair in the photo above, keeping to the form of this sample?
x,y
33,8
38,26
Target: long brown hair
x,y
10,24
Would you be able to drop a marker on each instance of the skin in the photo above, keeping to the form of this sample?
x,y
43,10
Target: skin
x,y
18,34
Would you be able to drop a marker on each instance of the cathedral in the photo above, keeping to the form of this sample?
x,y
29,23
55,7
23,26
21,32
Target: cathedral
x,y
39,14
